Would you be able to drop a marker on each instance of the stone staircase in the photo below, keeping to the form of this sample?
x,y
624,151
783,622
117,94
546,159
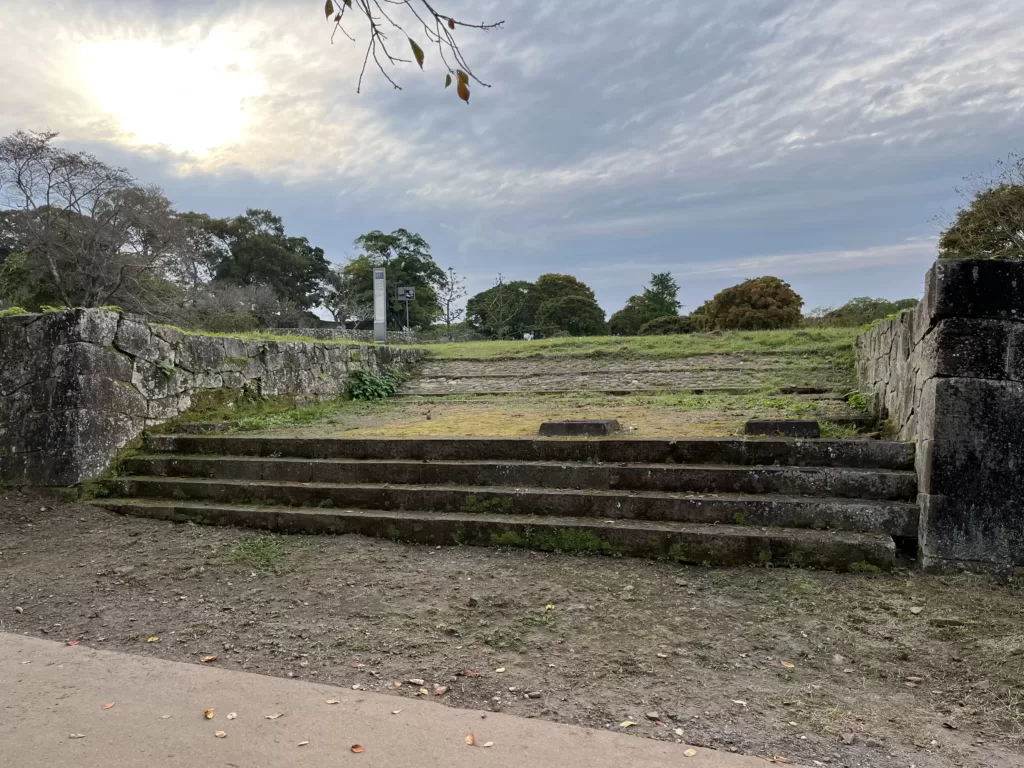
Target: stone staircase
x,y
817,503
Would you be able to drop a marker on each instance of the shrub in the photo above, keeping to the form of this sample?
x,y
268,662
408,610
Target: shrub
x,y
367,385
668,325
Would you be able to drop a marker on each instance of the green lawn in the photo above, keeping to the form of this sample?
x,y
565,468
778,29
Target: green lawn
x,y
829,342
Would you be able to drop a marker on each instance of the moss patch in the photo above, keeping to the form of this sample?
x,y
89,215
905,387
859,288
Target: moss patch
x,y
564,540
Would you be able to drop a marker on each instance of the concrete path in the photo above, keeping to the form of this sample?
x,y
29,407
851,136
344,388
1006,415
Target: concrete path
x,y
49,692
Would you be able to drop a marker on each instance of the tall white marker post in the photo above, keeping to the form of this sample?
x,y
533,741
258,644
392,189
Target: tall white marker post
x,y
380,306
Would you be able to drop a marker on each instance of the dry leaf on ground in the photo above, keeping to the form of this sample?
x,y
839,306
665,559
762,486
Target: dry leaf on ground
x,y
441,690
422,692
780,759
679,732
153,639
739,701
220,734
208,713
662,655
395,711
208,659
333,701
76,735
690,753
232,715
357,687
357,748
357,665
489,744
471,740
468,673
499,670
275,716
109,704
789,665
302,743
415,681
74,641
626,724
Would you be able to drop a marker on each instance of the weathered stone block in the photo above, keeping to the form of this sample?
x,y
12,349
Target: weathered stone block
x,y
200,354
783,428
975,288
970,348
579,428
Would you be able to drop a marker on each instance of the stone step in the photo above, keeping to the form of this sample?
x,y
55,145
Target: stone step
x,y
873,454
681,542
887,517
790,481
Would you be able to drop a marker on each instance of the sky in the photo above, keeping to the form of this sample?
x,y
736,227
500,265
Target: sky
x,y
820,141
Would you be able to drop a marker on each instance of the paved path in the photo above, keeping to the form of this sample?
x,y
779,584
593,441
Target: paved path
x,y
50,691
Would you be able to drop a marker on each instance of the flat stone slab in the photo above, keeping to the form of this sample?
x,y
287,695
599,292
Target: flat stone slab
x,y
783,428
156,720
579,428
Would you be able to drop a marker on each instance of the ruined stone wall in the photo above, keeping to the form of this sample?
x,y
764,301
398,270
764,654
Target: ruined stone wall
x,y
76,386
344,334
950,375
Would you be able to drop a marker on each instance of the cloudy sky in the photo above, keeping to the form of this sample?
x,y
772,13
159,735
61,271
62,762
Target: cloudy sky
x,y
815,140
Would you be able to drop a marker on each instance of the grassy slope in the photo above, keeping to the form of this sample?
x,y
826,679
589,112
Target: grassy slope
x,y
832,342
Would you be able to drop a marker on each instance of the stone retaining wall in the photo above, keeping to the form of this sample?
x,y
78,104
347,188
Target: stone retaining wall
x,y
76,386
950,375
344,334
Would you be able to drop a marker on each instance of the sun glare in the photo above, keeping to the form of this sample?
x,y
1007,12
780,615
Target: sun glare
x,y
190,98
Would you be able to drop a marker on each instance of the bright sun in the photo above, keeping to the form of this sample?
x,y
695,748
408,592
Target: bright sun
x,y
188,97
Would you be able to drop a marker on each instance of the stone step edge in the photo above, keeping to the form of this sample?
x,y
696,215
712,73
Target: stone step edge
x,y
541,463
681,542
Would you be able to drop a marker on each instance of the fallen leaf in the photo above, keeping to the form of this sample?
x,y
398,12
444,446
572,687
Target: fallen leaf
x,y
76,735
781,759
396,684
208,659
166,717
208,713
153,639
357,665
357,748
468,673
75,641
662,655
18,609
271,717
471,740
916,610
489,744
789,665
549,607
499,670
690,753
220,734
395,711
333,701
739,701
232,715
626,724
416,681
422,692
678,732
357,687
441,690
302,743
913,679
109,705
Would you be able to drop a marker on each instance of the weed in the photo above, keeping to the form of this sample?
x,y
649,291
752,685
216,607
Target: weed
x,y
472,504
12,311
564,540
739,518
263,552
367,385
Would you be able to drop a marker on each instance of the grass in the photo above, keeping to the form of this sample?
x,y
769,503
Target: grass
x,y
262,553
834,343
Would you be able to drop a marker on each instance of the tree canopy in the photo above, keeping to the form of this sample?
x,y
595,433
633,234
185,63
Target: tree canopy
x,y
659,299
574,314
763,303
991,224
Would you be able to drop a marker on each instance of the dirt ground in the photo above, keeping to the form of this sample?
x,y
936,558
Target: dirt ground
x,y
864,670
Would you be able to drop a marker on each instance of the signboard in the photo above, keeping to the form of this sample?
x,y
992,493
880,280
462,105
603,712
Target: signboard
x,y
407,294
380,307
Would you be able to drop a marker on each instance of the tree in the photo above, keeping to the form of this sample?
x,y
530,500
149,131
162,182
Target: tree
x,y
406,258
87,234
258,252
453,288
657,300
502,311
345,298
991,225
438,29
575,314
860,311
760,304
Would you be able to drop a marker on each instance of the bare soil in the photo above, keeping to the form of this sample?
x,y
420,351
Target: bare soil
x,y
819,668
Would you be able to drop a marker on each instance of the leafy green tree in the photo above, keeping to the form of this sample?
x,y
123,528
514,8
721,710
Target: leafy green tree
x,y
406,258
503,311
860,311
575,314
657,300
258,252
760,304
991,225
